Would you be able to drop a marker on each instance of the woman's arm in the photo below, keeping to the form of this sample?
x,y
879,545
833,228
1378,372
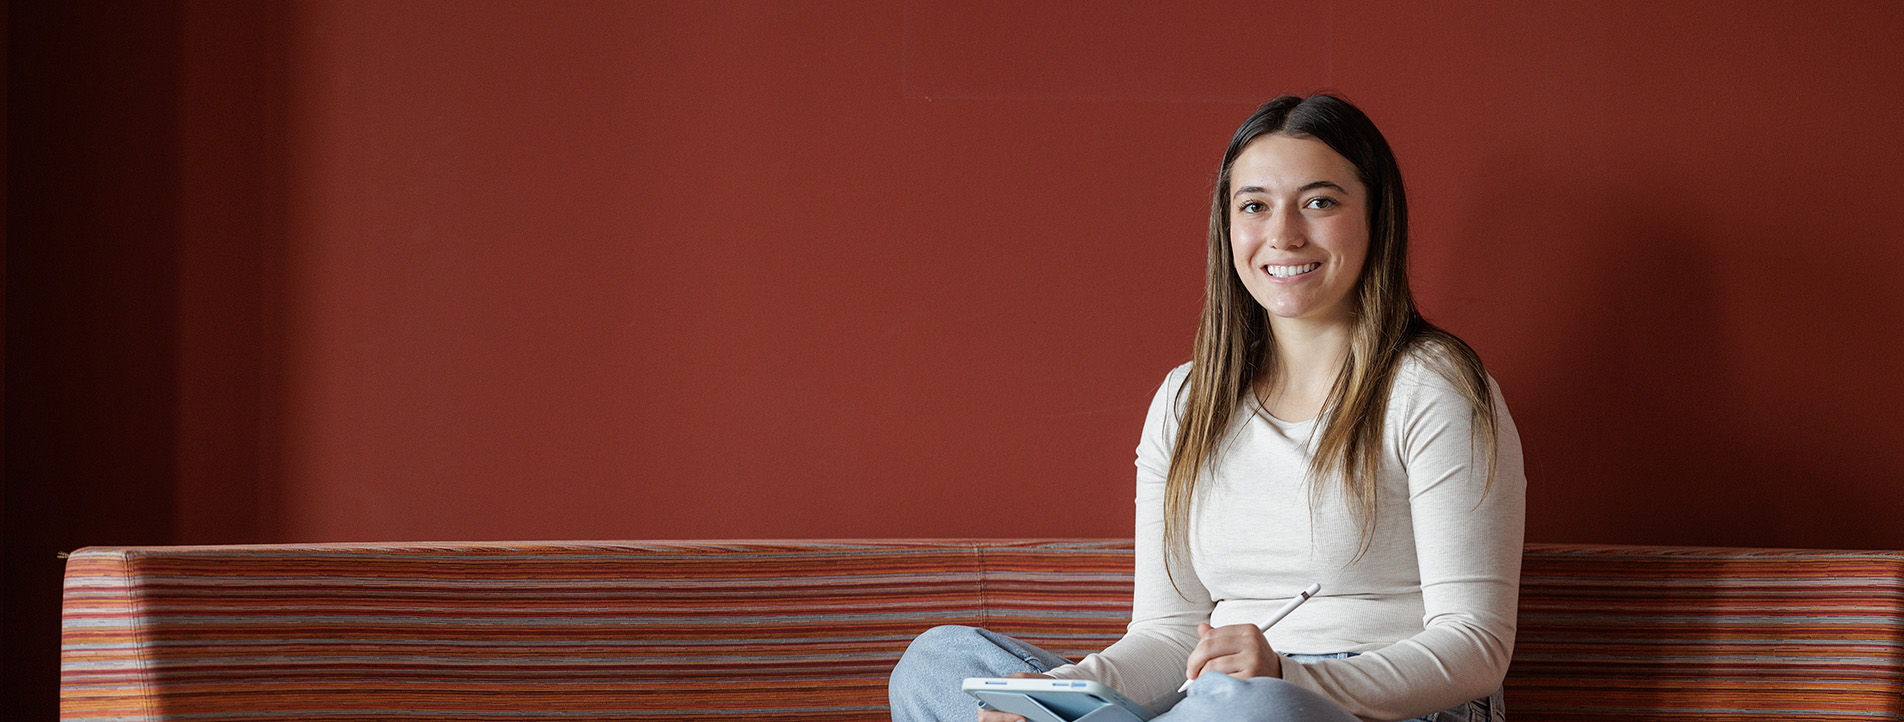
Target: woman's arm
x,y
1468,537
1147,664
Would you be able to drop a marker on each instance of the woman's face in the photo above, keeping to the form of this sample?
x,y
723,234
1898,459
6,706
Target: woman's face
x,y
1298,228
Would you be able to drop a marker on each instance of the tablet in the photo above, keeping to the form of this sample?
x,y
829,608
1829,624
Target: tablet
x,y
1040,699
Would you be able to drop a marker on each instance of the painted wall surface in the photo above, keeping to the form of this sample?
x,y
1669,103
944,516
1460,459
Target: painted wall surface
x,y
316,271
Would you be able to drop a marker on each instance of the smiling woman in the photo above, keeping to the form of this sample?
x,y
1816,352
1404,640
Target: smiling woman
x,y
1323,433
1298,230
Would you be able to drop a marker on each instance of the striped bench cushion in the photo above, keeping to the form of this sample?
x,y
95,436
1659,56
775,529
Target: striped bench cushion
x,y
576,631
809,630
1712,634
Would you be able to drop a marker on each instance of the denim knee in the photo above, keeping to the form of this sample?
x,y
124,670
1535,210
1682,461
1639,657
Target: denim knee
x,y
1217,696
947,635
935,644
924,686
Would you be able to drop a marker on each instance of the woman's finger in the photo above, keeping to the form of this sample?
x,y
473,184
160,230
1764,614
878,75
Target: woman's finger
x,y
1200,655
1198,658
1217,642
1237,650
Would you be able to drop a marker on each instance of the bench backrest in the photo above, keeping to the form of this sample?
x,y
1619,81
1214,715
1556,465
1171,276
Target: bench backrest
x,y
1662,633
809,630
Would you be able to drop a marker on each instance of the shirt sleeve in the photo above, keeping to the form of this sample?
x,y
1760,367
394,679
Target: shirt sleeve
x,y
1147,664
1468,535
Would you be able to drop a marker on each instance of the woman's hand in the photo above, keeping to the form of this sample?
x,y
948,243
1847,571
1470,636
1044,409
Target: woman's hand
x,y
992,715
1238,650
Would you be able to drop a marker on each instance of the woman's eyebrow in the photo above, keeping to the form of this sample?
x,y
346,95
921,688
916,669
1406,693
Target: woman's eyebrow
x,y
1311,185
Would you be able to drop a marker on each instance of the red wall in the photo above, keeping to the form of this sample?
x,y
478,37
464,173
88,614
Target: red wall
x,y
323,271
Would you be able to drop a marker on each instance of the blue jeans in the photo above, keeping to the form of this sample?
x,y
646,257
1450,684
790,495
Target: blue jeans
x,y
925,685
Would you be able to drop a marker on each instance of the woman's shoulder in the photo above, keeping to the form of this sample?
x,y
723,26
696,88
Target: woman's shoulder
x,y
1160,422
1426,362
1178,376
1171,392
1434,368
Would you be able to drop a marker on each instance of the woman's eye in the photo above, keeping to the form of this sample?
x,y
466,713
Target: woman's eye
x,y
1321,204
1251,207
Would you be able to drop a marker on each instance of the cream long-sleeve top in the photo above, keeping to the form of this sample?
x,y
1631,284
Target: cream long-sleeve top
x,y
1429,608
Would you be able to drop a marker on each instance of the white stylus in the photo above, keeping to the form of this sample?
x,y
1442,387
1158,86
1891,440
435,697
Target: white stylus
x,y
1273,619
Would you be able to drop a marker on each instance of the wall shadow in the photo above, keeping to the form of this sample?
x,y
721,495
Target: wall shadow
x,y
92,338
233,204
144,227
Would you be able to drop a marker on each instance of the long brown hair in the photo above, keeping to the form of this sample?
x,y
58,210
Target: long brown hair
x,y
1234,345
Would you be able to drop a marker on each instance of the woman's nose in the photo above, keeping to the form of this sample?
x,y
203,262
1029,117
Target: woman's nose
x,y
1285,232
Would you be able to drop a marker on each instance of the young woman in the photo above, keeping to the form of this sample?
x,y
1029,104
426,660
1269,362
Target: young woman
x,y
1323,432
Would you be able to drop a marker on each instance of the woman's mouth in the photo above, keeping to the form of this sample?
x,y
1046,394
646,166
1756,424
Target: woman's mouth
x,y
1291,271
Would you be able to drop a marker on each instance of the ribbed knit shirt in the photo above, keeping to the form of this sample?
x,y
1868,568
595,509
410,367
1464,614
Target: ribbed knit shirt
x,y
1429,606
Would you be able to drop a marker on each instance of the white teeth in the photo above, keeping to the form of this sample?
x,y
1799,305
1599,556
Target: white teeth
x,y
1287,271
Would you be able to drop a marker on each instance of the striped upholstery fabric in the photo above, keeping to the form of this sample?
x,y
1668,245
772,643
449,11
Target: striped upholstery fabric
x,y
574,631
808,630
1658,633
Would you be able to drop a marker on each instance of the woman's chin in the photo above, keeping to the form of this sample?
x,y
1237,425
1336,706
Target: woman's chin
x,y
1306,313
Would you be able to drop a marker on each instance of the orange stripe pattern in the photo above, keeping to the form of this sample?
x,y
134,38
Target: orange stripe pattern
x,y
573,631
808,630
1661,633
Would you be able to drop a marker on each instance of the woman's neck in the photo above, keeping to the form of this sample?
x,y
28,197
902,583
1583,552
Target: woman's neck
x,y
1309,356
